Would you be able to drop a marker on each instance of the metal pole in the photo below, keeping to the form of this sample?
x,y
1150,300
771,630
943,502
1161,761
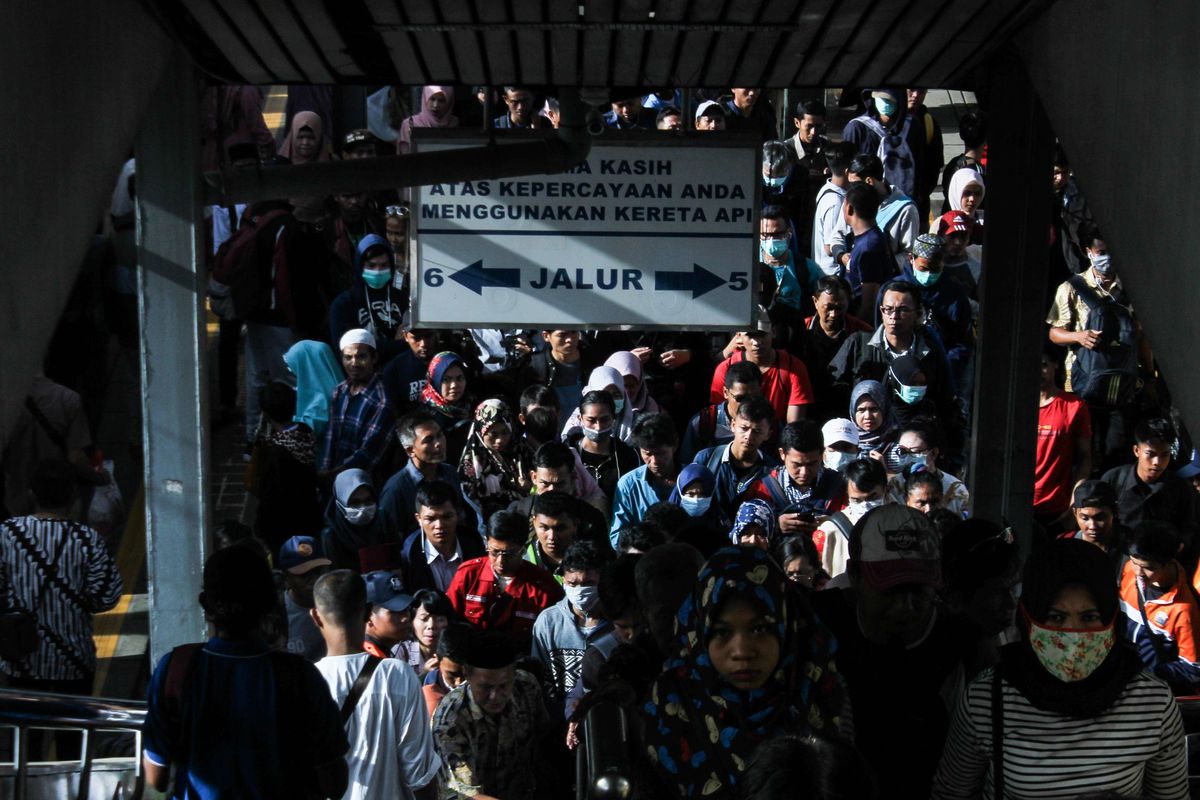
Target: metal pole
x,y
1012,327
87,749
174,388
20,761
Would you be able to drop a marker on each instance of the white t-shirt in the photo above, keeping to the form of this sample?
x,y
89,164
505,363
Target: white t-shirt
x,y
391,745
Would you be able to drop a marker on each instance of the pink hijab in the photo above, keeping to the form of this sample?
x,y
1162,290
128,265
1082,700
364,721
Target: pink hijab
x,y
312,121
426,118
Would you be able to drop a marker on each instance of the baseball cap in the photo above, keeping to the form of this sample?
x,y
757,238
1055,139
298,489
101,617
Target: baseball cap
x,y
896,545
760,325
954,222
709,107
1192,468
357,138
300,554
1094,494
839,430
386,589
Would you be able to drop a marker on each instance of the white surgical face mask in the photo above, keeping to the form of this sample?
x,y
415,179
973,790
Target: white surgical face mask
x,y
837,460
861,507
358,516
694,506
583,598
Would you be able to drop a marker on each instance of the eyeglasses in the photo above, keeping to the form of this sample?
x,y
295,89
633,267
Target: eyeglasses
x,y
397,211
916,451
504,553
895,311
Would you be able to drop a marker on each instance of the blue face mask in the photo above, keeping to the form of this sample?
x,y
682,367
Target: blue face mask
x,y
885,106
694,506
377,278
926,278
775,183
774,249
911,394
620,404
913,460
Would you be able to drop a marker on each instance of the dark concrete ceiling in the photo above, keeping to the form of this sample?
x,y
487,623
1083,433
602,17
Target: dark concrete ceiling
x,y
718,43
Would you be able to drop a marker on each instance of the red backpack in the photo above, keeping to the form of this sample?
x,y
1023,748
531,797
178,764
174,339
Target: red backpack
x,y
243,272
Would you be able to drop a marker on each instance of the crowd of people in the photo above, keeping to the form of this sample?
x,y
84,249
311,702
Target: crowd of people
x,y
758,546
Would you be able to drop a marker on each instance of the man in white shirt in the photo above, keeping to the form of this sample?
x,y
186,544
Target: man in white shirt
x,y
391,746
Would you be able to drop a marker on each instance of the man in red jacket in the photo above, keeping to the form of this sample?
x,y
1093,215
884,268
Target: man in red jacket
x,y
501,591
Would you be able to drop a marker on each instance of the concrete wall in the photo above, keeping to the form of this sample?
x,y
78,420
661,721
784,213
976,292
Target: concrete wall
x,y
77,79
1118,82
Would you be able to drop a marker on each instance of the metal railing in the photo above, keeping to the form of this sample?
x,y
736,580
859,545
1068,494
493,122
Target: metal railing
x,y
603,763
25,710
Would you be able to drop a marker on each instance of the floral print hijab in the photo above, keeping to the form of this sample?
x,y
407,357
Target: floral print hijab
x,y
700,730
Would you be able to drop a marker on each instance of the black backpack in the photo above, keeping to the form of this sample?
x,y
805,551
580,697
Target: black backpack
x,y
1108,374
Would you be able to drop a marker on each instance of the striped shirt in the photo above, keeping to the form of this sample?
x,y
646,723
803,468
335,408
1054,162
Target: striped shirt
x,y
1135,748
82,581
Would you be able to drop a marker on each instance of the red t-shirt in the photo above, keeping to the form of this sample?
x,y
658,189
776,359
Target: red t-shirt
x,y
784,383
1063,420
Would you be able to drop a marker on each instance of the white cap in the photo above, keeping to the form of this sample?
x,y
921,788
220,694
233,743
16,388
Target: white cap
x,y
839,430
706,105
357,336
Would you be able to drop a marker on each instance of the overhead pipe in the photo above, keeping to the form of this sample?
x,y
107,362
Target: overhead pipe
x,y
558,152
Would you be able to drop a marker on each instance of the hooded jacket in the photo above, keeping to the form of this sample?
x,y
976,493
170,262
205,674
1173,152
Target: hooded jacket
x,y
867,133
381,311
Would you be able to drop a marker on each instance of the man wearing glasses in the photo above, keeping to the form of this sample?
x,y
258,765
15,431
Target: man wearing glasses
x,y
868,356
500,591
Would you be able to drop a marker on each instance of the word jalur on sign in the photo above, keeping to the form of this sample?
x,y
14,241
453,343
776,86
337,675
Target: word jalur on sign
x,y
623,239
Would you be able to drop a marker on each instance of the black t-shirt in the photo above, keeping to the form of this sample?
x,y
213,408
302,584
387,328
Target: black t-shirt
x,y
900,715
607,469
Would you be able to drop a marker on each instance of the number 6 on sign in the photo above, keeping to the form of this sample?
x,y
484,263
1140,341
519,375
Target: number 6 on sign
x,y
433,276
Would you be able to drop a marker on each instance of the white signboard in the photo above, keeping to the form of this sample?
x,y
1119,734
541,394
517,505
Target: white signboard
x,y
641,234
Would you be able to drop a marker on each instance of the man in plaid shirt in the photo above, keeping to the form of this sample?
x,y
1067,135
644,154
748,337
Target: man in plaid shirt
x,y
360,419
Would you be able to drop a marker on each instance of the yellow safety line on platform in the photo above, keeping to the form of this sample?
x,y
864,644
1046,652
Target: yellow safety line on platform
x,y
131,555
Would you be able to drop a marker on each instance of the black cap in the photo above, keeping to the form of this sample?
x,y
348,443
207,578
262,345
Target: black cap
x,y
1095,494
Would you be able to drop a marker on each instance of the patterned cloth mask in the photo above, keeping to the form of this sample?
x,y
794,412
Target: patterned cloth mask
x,y
1070,655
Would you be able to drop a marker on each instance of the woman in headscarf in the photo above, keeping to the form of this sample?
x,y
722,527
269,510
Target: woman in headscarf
x,y
708,529
754,525
437,111
607,379
709,709
1077,713
490,465
305,141
873,416
630,367
304,144
445,396
966,195
318,373
351,523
